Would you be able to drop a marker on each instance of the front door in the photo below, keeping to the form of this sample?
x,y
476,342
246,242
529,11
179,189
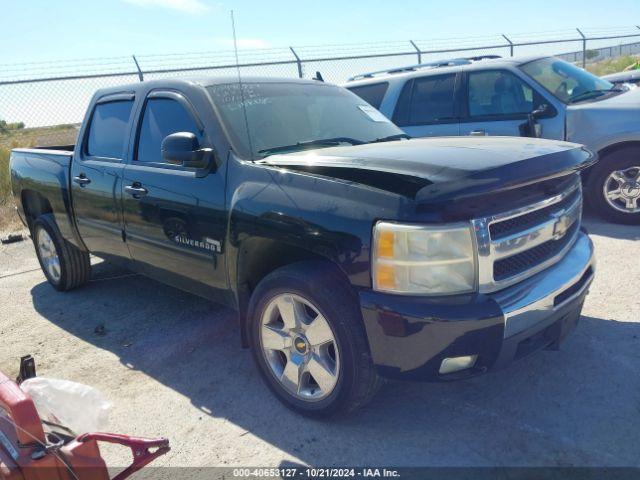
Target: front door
x,y
427,106
96,176
175,221
498,103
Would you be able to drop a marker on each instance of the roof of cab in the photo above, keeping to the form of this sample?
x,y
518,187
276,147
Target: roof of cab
x,y
204,81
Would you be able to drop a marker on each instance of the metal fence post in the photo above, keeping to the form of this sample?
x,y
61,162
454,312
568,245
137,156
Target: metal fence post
x,y
298,61
584,48
417,50
140,74
510,44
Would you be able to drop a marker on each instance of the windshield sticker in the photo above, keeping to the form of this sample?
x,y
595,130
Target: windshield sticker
x,y
373,114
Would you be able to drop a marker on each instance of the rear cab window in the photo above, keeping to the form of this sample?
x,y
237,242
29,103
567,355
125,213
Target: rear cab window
x,y
372,93
427,100
109,129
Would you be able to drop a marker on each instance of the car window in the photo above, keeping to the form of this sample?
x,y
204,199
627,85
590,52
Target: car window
x,y
498,93
108,129
372,93
427,100
162,117
564,80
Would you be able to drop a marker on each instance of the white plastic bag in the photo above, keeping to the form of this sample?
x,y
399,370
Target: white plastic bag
x,y
80,408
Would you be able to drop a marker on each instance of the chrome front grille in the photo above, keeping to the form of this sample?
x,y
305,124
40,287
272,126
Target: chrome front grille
x,y
520,243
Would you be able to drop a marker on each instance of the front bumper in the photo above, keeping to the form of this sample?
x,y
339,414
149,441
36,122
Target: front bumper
x,y
409,337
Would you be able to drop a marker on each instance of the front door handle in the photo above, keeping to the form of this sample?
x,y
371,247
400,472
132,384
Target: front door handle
x,y
136,190
478,133
82,180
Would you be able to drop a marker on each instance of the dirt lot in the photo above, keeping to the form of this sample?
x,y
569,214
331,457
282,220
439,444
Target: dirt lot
x,y
171,365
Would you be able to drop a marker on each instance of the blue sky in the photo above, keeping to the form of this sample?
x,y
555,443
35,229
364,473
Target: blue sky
x,y
38,30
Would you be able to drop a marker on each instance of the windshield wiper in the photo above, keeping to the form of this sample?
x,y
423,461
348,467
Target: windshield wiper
x,y
391,138
588,94
311,143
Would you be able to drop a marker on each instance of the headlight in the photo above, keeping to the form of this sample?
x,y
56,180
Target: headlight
x,y
415,259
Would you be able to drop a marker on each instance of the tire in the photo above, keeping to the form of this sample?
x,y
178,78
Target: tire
x,y
328,295
623,164
65,266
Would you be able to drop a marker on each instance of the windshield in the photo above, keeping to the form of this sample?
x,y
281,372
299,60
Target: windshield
x,y
566,81
285,117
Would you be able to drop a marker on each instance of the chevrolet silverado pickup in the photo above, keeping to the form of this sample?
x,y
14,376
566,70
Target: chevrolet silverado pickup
x,y
349,252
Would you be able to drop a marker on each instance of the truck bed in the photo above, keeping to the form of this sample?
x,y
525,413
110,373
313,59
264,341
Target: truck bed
x,y
43,173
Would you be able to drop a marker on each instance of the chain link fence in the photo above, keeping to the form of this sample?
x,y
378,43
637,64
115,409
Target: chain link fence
x,y
43,103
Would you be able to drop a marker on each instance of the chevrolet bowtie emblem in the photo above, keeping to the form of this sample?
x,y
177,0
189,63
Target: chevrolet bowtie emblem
x,y
561,226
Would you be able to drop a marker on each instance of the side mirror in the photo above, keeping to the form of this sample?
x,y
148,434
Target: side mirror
x,y
541,110
183,148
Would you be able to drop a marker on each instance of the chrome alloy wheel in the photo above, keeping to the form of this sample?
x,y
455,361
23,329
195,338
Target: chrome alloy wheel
x,y
48,255
622,189
299,347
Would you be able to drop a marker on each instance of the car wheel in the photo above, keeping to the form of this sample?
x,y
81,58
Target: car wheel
x,y
65,266
613,187
309,342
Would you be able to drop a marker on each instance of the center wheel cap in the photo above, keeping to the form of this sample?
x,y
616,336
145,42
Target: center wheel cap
x,y
301,346
631,190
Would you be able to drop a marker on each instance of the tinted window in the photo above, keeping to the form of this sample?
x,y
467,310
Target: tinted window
x,y
499,93
372,94
109,129
427,100
162,117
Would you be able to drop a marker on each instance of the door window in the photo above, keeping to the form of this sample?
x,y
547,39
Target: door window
x,y
427,100
372,93
162,117
499,93
109,128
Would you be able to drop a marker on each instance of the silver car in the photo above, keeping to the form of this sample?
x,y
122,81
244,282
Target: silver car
x,y
534,96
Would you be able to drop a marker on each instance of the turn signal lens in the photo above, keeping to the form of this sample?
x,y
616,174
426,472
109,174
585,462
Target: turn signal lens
x,y
386,241
386,276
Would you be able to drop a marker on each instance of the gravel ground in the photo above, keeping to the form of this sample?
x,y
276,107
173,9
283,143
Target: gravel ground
x,y
172,366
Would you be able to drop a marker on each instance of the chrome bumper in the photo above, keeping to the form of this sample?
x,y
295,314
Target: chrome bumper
x,y
538,298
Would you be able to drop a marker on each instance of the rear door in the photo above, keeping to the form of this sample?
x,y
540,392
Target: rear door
x,y
427,106
175,225
96,175
497,102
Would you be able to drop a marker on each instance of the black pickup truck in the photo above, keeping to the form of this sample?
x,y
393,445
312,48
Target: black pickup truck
x,y
350,252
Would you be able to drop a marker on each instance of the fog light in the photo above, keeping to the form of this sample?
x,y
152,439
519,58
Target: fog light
x,y
455,364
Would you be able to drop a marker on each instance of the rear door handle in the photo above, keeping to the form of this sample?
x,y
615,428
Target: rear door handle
x,y
136,190
82,180
478,133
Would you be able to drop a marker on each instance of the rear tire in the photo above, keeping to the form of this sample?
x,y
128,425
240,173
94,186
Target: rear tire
x,y
328,331
65,265
613,186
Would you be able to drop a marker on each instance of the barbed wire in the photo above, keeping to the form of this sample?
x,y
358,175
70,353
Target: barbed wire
x,y
213,58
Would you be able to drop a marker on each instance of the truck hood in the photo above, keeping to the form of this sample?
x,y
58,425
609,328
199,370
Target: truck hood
x,y
438,168
597,123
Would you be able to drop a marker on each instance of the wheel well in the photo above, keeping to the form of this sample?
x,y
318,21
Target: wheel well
x,y
618,146
259,257
608,150
34,205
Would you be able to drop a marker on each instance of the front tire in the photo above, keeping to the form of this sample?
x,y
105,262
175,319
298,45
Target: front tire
x,y
613,187
309,342
65,265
